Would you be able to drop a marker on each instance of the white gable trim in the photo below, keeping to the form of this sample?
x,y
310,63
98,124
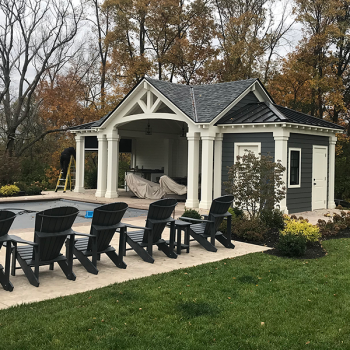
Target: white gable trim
x,y
120,115
258,91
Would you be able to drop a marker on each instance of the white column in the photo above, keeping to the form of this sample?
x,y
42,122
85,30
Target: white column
x,y
281,137
102,166
217,165
192,171
113,162
331,164
80,163
207,171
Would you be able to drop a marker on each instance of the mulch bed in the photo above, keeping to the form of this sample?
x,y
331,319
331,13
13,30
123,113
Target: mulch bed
x,y
313,251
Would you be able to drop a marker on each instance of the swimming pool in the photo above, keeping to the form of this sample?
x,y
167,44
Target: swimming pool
x,y
26,211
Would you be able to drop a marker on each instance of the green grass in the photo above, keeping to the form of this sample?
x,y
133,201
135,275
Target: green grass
x,y
256,301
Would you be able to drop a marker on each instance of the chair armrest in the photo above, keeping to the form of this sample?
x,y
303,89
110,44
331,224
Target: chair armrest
x,y
83,234
221,215
17,239
138,227
105,228
170,219
194,220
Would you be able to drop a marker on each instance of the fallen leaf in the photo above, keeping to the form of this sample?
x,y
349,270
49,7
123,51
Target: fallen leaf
x,y
307,343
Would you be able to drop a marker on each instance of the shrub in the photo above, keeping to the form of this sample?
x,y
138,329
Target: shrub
x,y
9,190
249,229
91,178
291,244
21,185
192,213
303,228
273,219
33,190
337,224
236,211
256,183
32,169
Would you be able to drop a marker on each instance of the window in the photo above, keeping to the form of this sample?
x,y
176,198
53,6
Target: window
x,y
294,167
241,147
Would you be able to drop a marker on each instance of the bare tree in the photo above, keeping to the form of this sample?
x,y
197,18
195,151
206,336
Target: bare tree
x,y
35,36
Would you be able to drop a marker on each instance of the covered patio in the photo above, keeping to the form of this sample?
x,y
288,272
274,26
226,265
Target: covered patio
x,y
161,139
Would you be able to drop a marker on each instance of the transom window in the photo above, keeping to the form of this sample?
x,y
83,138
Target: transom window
x,y
294,168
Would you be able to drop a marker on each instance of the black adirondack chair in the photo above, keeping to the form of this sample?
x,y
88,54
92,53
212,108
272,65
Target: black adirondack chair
x,y
6,220
159,214
105,221
203,230
52,226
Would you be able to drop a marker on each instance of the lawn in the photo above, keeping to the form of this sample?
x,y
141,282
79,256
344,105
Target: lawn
x,y
257,301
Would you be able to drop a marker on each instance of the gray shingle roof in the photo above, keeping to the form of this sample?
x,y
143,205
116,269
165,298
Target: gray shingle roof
x,y
211,100
208,100
178,94
268,113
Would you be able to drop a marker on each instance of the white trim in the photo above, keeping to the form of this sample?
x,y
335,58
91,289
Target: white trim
x,y
258,127
312,188
242,144
289,152
281,137
331,171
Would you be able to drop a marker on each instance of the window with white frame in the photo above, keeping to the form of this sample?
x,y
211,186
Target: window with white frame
x,y
241,148
294,168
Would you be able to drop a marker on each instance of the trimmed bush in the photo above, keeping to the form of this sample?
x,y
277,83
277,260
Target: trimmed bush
x,y
273,219
291,244
249,229
303,228
191,213
21,185
9,190
33,190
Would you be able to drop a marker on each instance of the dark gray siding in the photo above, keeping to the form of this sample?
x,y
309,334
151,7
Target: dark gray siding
x,y
267,147
299,199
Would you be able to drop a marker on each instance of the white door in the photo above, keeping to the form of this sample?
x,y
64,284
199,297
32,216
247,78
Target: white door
x,y
319,177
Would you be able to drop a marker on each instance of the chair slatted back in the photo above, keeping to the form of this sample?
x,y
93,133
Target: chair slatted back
x,y
6,219
106,215
219,206
159,210
53,220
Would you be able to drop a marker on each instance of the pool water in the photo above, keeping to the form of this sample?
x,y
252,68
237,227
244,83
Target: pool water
x,y
26,211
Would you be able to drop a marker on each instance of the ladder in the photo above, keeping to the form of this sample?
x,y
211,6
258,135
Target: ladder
x,y
70,178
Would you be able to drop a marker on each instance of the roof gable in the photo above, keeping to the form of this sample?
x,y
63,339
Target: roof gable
x,y
213,99
201,103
